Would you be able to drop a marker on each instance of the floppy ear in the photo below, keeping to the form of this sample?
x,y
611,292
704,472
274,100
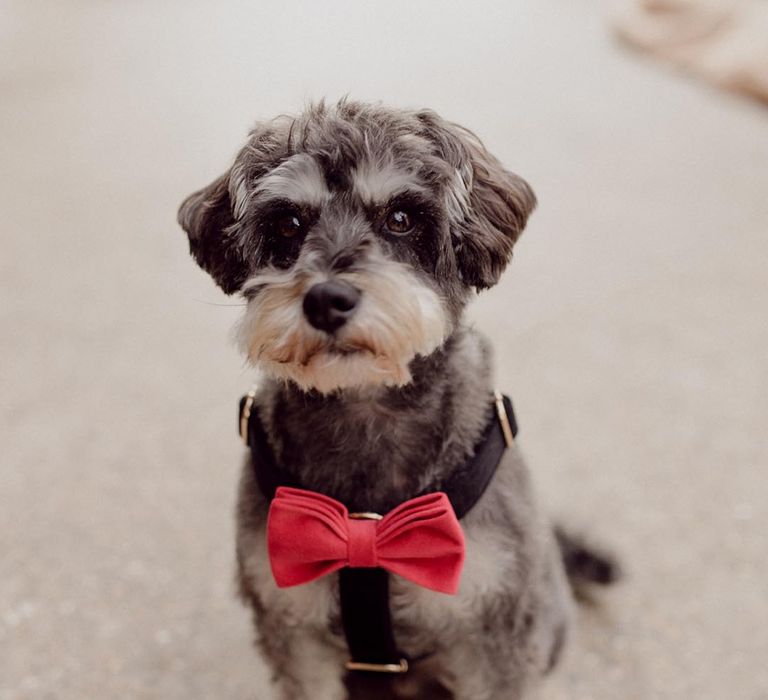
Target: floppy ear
x,y
207,218
500,203
492,204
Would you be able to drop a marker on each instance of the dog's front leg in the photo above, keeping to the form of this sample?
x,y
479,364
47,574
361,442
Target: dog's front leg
x,y
305,667
477,672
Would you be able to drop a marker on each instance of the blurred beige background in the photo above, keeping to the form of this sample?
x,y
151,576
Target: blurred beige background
x,y
630,329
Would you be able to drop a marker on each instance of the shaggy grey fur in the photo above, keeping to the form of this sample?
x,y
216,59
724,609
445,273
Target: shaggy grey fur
x,y
375,444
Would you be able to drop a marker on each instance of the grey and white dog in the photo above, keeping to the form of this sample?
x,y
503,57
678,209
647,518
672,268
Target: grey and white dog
x,y
357,234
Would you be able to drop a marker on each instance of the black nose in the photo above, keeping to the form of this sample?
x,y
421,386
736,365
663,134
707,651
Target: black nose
x,y
328,305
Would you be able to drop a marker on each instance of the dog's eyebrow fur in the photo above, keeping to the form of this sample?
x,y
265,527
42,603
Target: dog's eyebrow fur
x,y
376,183
298,179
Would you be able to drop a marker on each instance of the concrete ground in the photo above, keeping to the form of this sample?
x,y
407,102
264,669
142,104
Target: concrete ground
x,y
631,328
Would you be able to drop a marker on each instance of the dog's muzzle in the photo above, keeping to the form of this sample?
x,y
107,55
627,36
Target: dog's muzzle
x,y
328,305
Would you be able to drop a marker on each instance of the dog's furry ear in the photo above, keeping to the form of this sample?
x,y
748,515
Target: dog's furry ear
x,y
207,218
492,205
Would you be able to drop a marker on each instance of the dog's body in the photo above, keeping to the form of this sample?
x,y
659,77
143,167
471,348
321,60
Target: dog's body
x,y
357,234
507,622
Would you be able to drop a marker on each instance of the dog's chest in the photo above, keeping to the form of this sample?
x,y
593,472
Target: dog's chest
x,y
366,458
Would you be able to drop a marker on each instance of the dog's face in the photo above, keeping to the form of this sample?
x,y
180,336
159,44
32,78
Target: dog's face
x,y
356,234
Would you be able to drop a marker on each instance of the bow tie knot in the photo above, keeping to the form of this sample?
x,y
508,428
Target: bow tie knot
x,y
361,543
310,535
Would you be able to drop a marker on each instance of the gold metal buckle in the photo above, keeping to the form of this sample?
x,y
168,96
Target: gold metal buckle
x,y
401,667
245,414
365,516
501,412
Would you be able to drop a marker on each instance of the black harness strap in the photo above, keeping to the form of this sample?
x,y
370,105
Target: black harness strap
x,y
467,484
366,619
364,593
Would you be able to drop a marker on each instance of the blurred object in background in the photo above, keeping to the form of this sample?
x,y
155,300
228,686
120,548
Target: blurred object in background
x,y
723,41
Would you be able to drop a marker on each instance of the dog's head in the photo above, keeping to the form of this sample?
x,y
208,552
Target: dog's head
x,y
356,234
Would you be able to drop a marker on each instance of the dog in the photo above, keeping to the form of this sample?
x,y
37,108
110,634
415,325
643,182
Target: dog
x,y
357,234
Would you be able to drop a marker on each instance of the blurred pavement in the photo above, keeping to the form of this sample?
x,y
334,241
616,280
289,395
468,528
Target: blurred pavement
x,y
630,329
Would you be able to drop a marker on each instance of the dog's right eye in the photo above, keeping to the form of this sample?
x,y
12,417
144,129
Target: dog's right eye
x,y
288,225
399,222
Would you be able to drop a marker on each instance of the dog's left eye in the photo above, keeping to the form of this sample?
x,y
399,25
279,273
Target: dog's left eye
x,y
288,225
399,221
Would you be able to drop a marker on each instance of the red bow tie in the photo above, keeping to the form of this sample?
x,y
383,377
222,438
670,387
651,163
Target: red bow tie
x,y
310,535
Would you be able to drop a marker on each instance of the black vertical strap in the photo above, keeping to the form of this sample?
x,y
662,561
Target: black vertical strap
x,y
365,616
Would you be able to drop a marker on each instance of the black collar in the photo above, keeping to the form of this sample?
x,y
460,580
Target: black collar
x,y
364,593
464,486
